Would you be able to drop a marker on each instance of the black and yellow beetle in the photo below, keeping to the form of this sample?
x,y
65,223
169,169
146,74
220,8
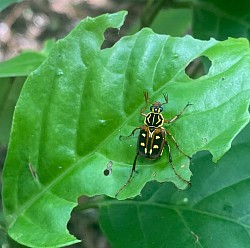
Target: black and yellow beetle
x,y
152,137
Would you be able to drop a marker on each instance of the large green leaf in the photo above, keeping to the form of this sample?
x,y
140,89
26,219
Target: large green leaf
x,y
220,19
74,107
214,212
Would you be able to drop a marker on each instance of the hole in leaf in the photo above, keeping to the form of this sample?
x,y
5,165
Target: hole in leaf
x,y
112,35
198,67
84,225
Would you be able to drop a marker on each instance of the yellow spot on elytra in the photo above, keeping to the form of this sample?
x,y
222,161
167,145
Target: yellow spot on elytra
x,y
150,152
142,144
155,146
143,134
157,137
145,150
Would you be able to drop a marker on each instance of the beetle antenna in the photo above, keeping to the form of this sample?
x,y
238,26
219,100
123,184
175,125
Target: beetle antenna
x,y
146,96
145,93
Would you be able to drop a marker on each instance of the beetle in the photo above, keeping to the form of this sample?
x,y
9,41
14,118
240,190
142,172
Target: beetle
x,y
152,136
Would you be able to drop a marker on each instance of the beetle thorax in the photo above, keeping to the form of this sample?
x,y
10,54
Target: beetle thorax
x,y
154,119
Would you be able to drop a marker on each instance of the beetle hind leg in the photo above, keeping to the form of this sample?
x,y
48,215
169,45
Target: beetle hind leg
x,y
130,177
172,165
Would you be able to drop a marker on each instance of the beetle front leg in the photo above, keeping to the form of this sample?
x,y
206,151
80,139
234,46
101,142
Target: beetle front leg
x,y
130,177
177,116
142,112
146,100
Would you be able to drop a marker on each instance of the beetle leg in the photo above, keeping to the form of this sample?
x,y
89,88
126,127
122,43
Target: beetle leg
x,y
178,147
130,177
132,133
142,111
172,165
177,116
146,100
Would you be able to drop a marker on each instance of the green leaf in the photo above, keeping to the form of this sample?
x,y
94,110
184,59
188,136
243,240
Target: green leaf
x,y
25,63
5,3
215,206
73,109
214,18
3,238
10,89
180,17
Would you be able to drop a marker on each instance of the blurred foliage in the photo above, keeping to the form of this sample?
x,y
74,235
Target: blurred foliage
x,y
162,23
5,3
25,63
220,19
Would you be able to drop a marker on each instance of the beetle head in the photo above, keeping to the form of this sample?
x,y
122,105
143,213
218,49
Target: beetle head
x,y
156,107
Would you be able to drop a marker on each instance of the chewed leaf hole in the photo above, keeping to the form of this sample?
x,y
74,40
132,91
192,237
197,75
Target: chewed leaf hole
x,y
83,222
198,67
111,37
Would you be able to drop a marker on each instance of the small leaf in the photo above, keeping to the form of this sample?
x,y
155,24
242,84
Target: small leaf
x,y
182,19
25,63
73,109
